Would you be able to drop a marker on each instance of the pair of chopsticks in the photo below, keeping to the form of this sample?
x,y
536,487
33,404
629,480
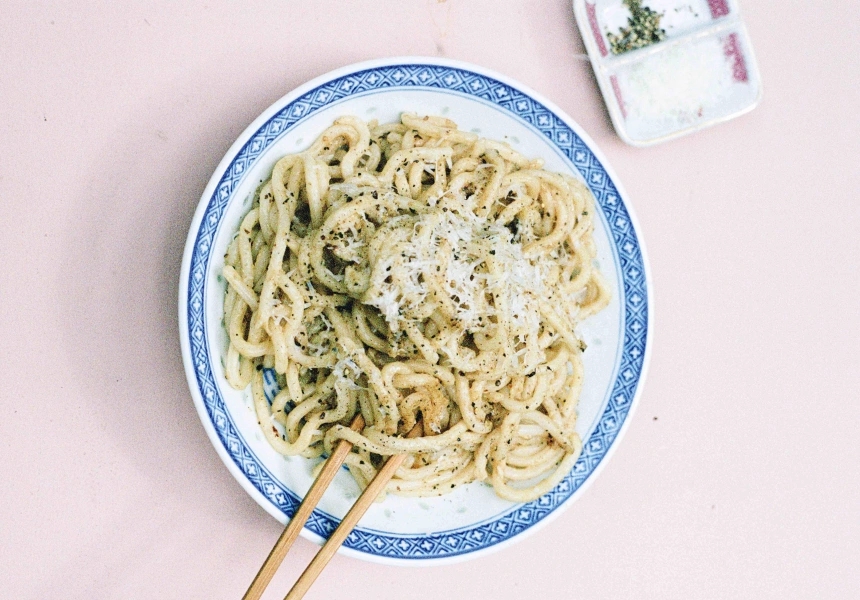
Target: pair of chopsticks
x,y
294,527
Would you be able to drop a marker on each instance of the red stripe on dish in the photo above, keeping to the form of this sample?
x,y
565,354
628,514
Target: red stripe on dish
x,y
618,97
732,50
719,8
591,9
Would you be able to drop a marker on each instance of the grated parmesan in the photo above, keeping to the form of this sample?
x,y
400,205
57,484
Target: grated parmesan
x,y
679,84
456,248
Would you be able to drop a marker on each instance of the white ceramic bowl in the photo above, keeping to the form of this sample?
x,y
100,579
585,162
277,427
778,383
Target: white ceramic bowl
x,y
471,520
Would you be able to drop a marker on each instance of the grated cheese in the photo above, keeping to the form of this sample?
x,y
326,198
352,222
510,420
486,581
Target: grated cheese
x,y
455,246
679,84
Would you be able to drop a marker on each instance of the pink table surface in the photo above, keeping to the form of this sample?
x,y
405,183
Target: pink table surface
x,y
738,477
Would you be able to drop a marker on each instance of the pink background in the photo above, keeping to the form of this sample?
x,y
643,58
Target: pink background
x,y
738,477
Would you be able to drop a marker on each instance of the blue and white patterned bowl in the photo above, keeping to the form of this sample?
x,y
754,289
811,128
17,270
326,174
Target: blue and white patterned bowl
x,y
471,520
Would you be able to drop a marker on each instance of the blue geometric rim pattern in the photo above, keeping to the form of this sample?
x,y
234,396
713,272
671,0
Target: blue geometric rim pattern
x,y
634,305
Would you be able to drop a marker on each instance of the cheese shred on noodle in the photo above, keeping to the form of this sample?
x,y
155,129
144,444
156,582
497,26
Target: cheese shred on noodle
x,y
412,271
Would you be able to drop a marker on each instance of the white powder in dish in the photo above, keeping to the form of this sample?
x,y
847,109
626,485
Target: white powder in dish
x,y
679,84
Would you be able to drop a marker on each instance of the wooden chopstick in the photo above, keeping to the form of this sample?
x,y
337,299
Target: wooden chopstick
x,y
306,508
367,498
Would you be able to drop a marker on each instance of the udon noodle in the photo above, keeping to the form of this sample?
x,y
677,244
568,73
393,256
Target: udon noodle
x,y
413,271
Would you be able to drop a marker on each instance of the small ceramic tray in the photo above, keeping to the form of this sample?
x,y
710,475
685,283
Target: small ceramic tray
x,y
700,73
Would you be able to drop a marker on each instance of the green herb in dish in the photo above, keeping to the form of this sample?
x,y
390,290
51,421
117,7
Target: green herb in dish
x,y
643,29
